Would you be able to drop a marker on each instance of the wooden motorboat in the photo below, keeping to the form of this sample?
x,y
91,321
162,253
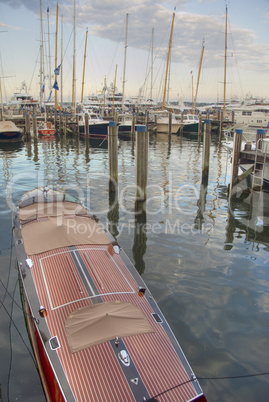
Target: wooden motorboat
x,y
9,131
96,331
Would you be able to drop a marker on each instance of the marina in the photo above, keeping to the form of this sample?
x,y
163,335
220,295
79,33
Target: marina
x,y
134,222
202,255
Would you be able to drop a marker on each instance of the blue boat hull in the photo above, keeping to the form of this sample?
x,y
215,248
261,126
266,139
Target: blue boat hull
x,y
95,130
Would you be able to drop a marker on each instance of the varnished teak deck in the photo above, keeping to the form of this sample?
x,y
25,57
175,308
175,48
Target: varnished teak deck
x,y
70,278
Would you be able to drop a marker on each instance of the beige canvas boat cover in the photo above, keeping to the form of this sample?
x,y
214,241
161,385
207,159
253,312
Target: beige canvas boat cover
x,y
103,322
55,232
42,209
8,126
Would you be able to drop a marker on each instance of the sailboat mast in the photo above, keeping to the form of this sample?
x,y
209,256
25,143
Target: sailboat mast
x,y
225,64
124,68
168,59
151,81
62,61
74,60
83,75
114,88
41,73
199,73
192,103
104,90
48,18
56,41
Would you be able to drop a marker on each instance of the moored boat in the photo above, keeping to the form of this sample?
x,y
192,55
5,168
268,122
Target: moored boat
x,y
190,122
22,98
97,126
125,125
9,131
161,120
45,129
97,332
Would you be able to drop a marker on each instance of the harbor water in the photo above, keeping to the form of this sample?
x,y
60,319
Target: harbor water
x,y
204,256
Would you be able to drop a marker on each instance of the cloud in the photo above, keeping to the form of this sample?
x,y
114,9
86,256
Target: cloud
x,y
106,20
9,26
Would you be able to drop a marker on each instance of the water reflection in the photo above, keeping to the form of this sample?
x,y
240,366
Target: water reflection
x,y
201,203
248,212
113,214
214,291
140,240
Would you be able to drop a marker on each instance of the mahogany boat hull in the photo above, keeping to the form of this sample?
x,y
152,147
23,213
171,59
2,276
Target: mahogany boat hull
x,y
97,333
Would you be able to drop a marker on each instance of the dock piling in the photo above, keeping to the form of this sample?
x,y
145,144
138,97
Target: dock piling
x,y
206,151
133,125
87,130
170,124
27,124
34,125
142,144
236,156
261,133
113,156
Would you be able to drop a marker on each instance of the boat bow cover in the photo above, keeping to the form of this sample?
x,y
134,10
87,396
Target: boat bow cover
x,y
43,209
103,322
8,126
56,232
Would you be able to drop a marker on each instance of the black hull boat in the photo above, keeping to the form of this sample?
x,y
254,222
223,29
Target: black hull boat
x,y
9,131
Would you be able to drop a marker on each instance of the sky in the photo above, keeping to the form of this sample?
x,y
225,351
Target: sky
x,y
196,23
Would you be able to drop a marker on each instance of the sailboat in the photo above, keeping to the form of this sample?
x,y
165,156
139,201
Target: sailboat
x,y
162,117
45,127
191,121
125,120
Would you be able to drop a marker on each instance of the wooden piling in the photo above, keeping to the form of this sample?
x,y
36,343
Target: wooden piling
x,y
200,125
27,124
261,133
206,151
34,125
133,125
233,115
60,121
55,119
236,156
87,129
181,127
142,144
65,124
170,124
77,125
220,126
146,117
113,156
